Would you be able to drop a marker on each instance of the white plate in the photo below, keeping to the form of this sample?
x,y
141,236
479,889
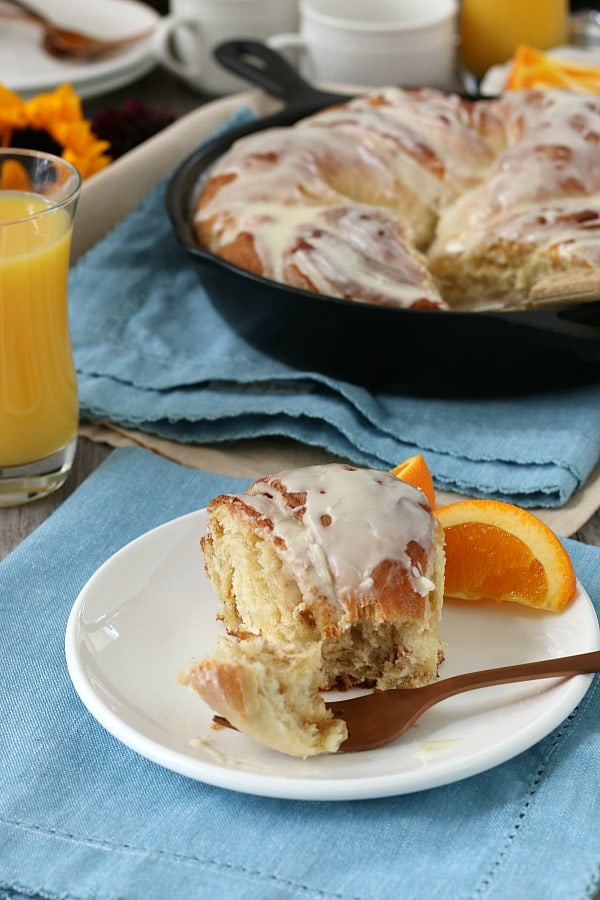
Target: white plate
x,y
494,80
28,70
149,610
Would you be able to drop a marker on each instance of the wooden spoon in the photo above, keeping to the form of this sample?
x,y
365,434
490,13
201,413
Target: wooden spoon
x,y
378,718
67,44
580,286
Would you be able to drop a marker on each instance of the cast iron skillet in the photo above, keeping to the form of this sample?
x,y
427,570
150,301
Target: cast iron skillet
x,y
420,351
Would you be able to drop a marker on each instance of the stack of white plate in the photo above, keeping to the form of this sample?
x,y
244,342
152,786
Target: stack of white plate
x,y
25,67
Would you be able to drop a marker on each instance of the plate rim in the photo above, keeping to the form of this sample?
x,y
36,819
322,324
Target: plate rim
x,y
323,788
93,75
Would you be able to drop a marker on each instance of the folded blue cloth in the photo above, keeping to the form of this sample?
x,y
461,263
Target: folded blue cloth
x,y
82,816
152,354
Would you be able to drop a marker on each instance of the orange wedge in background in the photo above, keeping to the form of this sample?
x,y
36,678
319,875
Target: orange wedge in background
x,y
415,471
533,69
497,551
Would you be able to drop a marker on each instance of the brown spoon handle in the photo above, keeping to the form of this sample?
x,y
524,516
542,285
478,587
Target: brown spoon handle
x,y
579,664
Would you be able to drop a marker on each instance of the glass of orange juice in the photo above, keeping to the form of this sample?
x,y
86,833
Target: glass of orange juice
x,y
491,30
38,386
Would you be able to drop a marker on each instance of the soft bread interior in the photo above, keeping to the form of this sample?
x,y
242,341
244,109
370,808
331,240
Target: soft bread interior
x,y
257,593
270,695
384,655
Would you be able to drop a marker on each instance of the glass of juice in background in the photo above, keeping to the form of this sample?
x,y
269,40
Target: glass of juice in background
x,y
491,30
39,408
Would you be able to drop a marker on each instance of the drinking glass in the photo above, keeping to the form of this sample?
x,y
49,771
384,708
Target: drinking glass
x,y
38,385
491,30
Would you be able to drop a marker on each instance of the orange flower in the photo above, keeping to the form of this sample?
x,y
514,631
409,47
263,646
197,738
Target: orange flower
x,y
58,115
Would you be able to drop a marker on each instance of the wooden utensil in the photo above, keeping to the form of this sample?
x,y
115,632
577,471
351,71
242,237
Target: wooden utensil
x,y
579,286
379,718
67,44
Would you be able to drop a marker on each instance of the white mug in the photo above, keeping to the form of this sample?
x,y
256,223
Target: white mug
x,y
184,39
375,42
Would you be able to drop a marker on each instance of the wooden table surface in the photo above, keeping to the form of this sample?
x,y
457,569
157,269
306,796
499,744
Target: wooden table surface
x,y
158,90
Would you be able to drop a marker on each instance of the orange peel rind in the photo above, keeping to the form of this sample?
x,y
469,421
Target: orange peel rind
x,y
415,471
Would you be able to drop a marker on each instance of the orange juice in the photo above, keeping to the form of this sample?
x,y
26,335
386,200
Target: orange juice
x,y
491,30
38,385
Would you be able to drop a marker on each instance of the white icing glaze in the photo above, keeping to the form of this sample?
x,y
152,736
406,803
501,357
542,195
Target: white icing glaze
x,y
352,520
570,230
347,198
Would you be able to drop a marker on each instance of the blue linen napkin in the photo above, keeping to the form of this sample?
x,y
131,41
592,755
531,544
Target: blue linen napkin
x,y
152,354
82,816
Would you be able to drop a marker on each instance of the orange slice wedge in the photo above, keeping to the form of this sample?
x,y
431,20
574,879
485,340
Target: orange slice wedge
x,y
497,551
533,69
415,471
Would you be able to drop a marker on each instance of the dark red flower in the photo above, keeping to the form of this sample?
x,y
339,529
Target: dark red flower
x,y
125,128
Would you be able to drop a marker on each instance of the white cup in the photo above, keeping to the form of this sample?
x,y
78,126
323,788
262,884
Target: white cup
x,y
184,39
375,42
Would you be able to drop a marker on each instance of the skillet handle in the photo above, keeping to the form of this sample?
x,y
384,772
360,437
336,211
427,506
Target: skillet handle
x,y
267,69
575,326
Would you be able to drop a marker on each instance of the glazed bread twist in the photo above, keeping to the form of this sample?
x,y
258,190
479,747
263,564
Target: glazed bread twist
x,y
414,198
